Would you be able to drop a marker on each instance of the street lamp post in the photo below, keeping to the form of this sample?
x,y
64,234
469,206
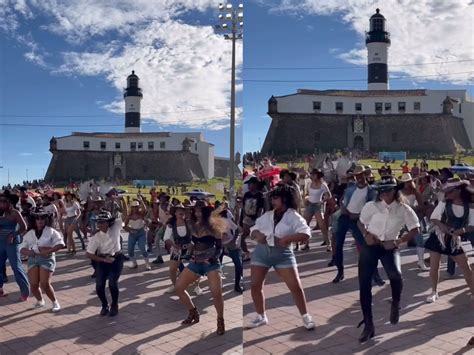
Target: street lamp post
x,y
231,22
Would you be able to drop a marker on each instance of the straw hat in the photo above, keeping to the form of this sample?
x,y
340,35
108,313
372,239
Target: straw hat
x,y
405,178
454,183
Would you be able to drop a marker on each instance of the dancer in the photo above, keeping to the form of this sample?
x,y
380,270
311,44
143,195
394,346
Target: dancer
x,y
71,223
106,243
452,218
318,194
135,226
274,232
380,222
178,240
153,221
207,233
12,225
40,245
356,195
252,207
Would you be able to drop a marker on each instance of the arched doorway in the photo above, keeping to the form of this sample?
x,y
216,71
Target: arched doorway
x,y
358,143
118,174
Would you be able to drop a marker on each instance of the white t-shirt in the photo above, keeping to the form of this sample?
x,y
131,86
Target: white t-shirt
x,y
358,200
457,210
71,210
291,223
106,243
316,195
386,221
411,199
343,164
49,238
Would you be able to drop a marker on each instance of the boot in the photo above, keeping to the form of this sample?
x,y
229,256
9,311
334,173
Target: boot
x,y
220,326
368,332
421,261
339,277
394,312
193,317
238,288
332,262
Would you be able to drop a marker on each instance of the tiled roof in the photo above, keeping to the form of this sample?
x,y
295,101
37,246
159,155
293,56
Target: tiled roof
x,y
363,93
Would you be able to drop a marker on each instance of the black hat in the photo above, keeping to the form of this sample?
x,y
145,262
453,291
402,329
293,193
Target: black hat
x,y
11,198
40,211
104,215
386,183
287,172
252,180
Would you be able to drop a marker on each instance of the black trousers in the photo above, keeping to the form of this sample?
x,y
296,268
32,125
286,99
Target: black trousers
x,y
368,260
110,272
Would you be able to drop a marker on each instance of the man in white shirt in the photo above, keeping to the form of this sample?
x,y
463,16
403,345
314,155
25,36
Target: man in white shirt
x,y
380,222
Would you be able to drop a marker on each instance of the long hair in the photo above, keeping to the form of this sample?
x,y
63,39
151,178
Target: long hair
x,y
287,195
465,194
214,224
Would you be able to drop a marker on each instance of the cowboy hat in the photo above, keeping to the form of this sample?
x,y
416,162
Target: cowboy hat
x,y
135,203
40,211
386,183
405,178
453,183
358,169
252,180
103,215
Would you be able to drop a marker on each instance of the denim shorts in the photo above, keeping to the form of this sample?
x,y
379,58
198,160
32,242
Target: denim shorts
x,y
313,208
45,262
267,256
203,268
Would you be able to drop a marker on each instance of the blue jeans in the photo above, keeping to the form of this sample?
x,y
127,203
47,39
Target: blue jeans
x,y
344,224
139,238
236,257
12,252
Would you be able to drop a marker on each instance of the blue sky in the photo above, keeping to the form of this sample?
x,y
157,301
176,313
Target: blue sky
x,y
63,58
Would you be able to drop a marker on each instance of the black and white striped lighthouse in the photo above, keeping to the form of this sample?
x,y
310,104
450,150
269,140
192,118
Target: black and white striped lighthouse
x,y
377,41
133,96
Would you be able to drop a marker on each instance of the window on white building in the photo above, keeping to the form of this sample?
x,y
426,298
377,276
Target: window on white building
x,y
140,145
103,145
86,144
151,145
388,106
133,145
195,146
460,108
417,106
401,106
339,106
378,107
316,105
358,106
117,145
162,145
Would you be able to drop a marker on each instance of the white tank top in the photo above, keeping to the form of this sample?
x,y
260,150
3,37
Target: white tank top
x,y
136,223
316,195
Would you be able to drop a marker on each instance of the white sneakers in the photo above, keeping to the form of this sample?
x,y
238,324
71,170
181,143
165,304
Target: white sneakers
x,y
147,266
259,320
422,266
40,304
432,298
308,322
171,289
56,307
198,291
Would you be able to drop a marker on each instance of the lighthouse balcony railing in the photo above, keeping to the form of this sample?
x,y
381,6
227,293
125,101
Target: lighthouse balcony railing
x,y
377,36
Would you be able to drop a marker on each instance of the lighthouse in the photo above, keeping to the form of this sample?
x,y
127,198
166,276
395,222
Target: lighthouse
x,y
377,41
133,96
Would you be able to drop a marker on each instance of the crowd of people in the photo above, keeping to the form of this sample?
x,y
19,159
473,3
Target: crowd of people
x,y
433,211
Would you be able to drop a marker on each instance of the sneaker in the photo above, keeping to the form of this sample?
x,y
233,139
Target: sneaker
x,y
56,307
147,267
134,264
422,266
258,321
104,311
113,310
39,304
171,289
308,322
432,298
198,291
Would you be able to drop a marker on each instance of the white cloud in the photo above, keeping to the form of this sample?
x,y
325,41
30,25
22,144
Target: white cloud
x,y
182,67
423,31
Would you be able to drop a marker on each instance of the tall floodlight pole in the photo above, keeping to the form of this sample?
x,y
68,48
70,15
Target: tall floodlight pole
x,y
231,22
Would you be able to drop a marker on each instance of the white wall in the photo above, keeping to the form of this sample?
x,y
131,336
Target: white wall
x,y
430,103
467,113
206,158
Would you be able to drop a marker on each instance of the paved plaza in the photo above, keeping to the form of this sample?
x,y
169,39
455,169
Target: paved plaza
x,y
441,328
149,321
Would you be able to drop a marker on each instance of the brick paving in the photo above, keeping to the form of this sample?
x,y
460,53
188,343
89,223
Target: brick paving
x,y
149,321
441,328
